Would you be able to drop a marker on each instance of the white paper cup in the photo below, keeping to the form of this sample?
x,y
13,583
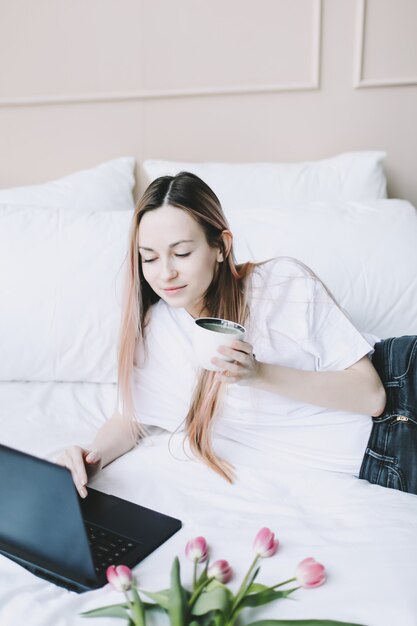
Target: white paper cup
x,y
211,332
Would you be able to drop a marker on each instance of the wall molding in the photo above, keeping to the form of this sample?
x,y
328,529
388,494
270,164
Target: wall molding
x,y
312,84
358,81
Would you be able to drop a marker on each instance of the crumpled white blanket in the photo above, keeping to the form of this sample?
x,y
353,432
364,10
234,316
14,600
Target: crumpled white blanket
x,y
365,535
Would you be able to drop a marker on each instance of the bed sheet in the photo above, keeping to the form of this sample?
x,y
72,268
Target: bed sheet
x,y
364,534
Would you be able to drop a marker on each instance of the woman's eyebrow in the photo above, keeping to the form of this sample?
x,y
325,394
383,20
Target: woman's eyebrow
x,y
171,245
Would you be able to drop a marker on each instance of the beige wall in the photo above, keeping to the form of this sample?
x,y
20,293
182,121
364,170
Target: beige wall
x,y
82,82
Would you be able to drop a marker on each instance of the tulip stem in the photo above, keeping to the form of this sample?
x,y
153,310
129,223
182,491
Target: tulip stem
x,y
248,573
135,619
242,588
195,574
197,591
128,600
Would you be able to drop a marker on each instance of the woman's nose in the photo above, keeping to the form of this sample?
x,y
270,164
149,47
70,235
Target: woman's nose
x,y
169,270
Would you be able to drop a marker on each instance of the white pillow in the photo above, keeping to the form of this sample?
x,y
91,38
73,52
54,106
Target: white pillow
x,y
366,254
349,176
60,285
61,275
107,187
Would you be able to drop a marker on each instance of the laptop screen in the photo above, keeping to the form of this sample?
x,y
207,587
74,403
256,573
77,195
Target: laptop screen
x,y
40,519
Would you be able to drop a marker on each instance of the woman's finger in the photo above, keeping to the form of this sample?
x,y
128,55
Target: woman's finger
x,y
73,459
239,346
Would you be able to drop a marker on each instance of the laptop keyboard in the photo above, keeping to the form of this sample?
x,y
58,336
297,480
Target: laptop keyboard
x,y
108,548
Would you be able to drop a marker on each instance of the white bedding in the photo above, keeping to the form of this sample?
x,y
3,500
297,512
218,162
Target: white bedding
x,y
364,534
52,277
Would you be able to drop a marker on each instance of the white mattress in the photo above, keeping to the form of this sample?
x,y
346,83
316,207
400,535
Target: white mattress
x,y
365,535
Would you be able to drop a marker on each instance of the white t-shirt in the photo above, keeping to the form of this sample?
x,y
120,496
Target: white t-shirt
x,y
293,322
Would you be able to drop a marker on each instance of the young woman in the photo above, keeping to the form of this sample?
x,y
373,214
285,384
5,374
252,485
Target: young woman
x,y
308,393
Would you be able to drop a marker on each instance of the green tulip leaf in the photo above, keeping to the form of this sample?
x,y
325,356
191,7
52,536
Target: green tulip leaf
x,y
255,587
212,618
302,622
245,586
217,599
177,607
113,610
160,597
214,584
253,576
152,606
263,597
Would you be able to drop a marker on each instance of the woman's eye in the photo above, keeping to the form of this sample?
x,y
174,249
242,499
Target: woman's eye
x,y
148,260
182,255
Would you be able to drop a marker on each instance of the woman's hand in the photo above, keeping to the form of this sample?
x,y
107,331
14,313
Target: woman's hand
x,y
242,366
114,438
82,463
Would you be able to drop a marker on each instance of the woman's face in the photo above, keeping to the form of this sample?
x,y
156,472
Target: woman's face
x,y
177,261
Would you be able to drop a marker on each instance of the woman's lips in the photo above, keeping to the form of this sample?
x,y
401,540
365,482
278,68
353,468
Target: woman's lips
x,y
172,290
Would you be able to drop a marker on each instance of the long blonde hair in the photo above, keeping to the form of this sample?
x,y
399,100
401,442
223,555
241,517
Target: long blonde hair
x,y
226,297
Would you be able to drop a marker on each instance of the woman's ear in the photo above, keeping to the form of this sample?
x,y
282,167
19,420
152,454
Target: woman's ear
x,y
227,239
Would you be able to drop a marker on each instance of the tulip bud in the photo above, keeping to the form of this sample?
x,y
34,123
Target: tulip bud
x,y
309,573
265,543
220,570
196,549
120,577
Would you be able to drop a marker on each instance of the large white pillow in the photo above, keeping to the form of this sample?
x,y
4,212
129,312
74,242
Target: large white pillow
x,y
348,176
366,253
107,187
60,285
61,276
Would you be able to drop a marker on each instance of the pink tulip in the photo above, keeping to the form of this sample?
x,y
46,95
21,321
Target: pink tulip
x,y
196,549
120,577
309,573
265,543
220,570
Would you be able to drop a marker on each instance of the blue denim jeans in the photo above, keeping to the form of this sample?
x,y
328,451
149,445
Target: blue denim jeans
x,y
390,458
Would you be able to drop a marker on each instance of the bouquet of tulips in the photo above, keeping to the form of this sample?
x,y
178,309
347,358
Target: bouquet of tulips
x,y
210,602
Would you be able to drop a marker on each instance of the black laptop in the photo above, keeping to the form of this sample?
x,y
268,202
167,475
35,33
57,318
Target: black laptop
x,y
46,527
